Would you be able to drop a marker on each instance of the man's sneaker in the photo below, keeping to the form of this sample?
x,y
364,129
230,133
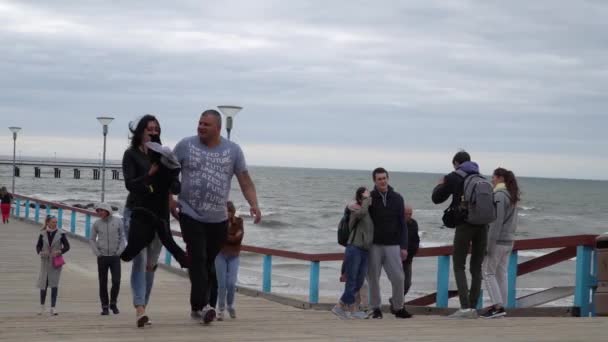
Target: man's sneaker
x,y
377,314
208,314
196,315
464,314
54,312
340,312
105,311
220,315
402,314
494,313
114,309
232,313
359,315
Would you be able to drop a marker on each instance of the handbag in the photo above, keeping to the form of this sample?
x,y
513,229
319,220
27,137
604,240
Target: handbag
x,y
58,261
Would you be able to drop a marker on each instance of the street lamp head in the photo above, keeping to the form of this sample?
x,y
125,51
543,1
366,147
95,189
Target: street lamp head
x,y
104,120
229,111
15,129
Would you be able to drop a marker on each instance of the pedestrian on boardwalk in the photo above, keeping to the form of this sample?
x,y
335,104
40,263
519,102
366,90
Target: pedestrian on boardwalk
x,y
107,242
413,243
51,246
360,239
500,240
227,264
6,199
208,164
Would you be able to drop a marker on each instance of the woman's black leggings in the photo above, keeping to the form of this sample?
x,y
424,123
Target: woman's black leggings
x,y
54,291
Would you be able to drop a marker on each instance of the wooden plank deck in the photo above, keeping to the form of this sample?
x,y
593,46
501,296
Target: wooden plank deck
x,y
258,319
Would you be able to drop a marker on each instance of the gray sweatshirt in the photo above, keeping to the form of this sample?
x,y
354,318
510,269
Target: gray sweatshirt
x,y
361,224
107,237
502,231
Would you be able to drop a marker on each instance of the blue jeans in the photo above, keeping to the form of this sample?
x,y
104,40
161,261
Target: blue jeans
x,y
355,265
141,279
226,268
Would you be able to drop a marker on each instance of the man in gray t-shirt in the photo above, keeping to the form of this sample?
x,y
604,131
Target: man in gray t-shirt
x,y
208,163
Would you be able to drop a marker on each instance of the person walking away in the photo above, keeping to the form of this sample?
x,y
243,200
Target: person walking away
x,y
412,247
501,237
51,246
107,242
6,199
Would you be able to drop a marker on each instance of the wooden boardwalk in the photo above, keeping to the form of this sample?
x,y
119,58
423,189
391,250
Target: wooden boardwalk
x,y
258,319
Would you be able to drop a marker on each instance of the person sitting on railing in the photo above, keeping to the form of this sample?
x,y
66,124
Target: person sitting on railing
x,y
107,242
51,247
501,237
6,199
360,240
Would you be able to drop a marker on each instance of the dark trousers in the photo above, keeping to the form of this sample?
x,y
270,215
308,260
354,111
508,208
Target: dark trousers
x,y
144,225
407,272
105,264
474,237
203,242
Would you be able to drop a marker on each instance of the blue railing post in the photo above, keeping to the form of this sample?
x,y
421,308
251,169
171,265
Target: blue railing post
x,y
87,226
583,279
27,209
60,218
73,222
37,213
167,258
512,281
443,280
313,287
267,274
480,300
17,207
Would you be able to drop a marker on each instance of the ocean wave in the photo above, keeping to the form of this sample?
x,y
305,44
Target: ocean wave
x,y
524,208
273,223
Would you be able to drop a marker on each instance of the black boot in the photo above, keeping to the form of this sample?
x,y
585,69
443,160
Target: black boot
x,y
114,308
104,311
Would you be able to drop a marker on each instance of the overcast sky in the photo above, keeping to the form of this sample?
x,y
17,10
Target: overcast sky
x,y
337,84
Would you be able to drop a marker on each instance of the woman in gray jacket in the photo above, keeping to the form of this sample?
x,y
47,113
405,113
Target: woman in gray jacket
x,y
51,245
355,257
500,240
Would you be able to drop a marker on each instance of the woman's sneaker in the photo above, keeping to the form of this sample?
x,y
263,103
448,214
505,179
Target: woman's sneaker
x,y
494,313
232,313
42,310
464,314
220,315
377,314
358,315
340,312
54,312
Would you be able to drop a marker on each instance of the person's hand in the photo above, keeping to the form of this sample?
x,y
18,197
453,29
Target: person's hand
x,y
403,254
441,180
174,209
56,253
256,214
153,169
366,193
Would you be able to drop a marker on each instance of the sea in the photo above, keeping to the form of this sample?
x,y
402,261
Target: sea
x,y
301,209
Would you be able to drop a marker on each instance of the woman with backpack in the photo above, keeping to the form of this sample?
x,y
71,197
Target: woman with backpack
x,y
355,257
500,240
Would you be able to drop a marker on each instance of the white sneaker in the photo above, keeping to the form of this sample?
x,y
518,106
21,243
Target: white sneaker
x,y
208,315
220,315
42,310
54,312
232,313
358,315
464,314
340,312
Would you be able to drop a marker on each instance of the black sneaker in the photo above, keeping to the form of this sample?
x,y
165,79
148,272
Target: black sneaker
x,y
377,314
403,314
494,313
104,311
208,314
114,309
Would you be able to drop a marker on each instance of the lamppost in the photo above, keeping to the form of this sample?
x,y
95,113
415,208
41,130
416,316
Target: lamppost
x,y
230,112
104,121
15,130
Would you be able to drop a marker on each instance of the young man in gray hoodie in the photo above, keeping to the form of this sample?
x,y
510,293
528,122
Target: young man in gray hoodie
x,y
107,242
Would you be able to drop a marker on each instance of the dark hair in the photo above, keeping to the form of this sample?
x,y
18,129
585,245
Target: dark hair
x,y
461,157
215,114
378,171
359,194
138,130
510,182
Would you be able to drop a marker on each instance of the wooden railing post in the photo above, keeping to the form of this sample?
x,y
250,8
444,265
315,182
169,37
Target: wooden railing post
x,y
512,281
87,226
313,286
443,280
73,222
60,218
267,274
582,289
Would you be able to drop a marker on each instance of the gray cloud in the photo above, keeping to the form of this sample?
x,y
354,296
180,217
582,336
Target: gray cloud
x,y
523,77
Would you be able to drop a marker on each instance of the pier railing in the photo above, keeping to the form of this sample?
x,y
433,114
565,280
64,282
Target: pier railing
x,y
561,249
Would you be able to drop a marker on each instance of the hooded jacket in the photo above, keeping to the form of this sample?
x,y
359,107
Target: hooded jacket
x,y
502,230
387,213
360,224
454,185
107,236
